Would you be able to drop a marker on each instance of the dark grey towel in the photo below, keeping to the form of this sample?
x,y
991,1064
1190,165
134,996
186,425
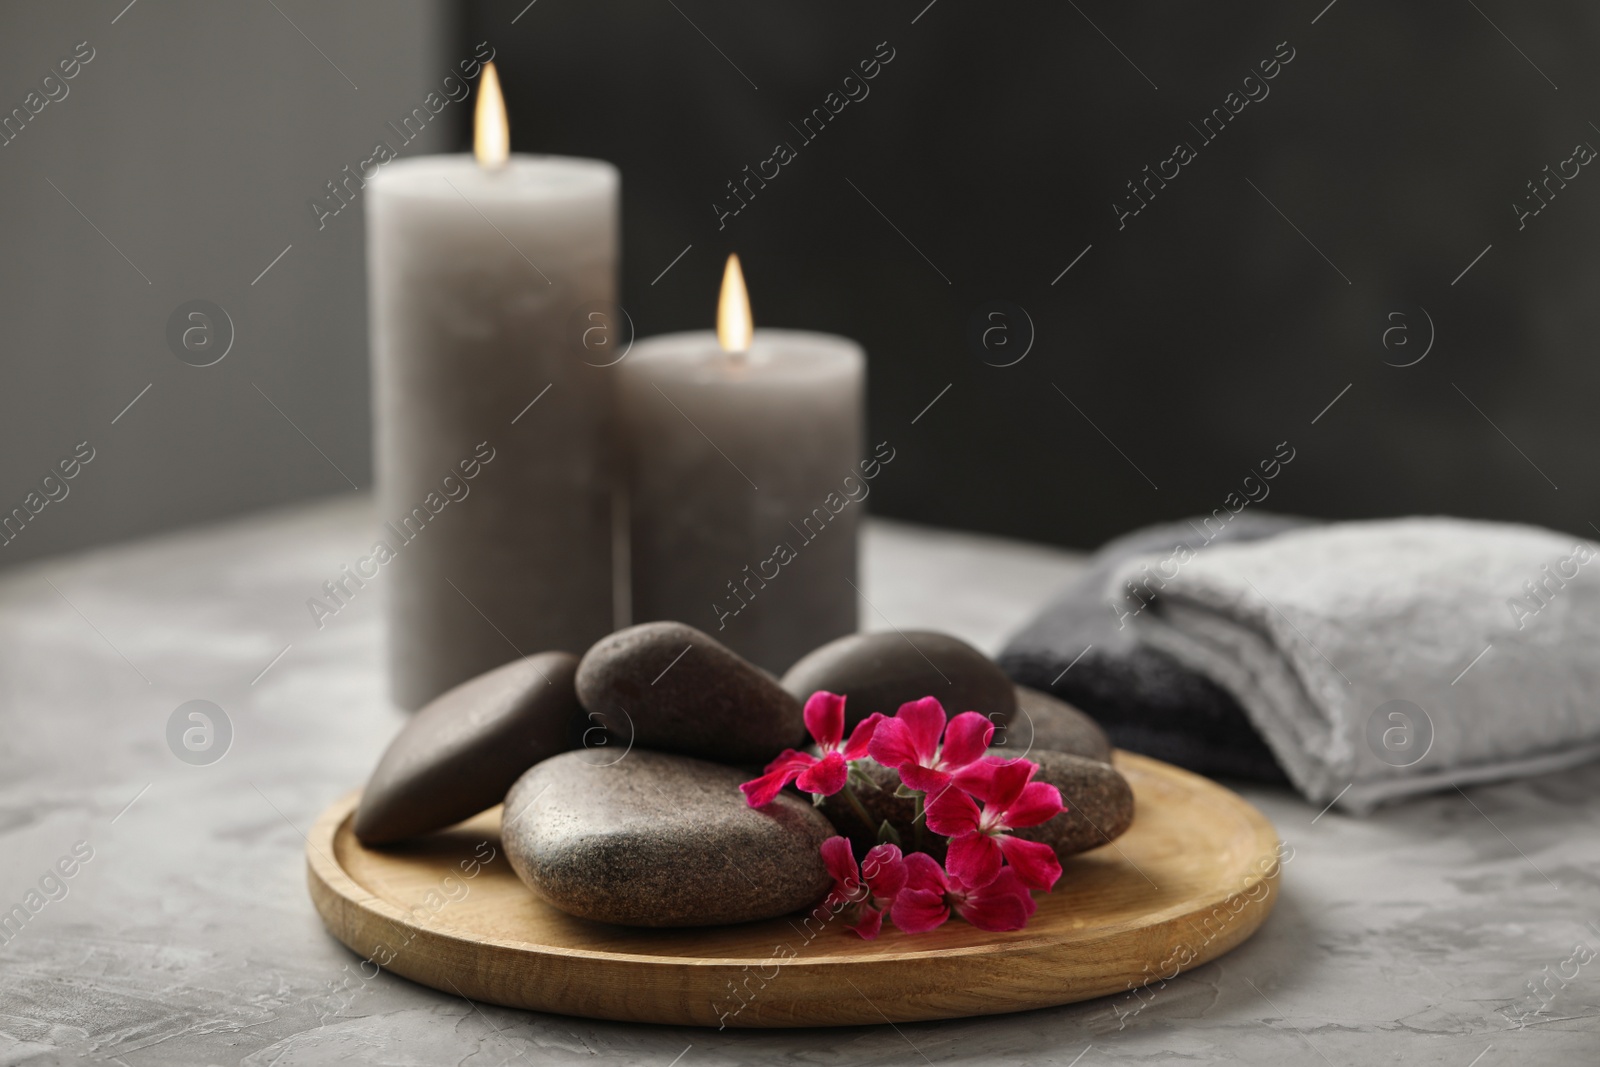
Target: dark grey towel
x,y
1146,700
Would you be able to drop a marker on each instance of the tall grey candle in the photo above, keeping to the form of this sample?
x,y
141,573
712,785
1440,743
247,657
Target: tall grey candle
x,y
746,478
493,437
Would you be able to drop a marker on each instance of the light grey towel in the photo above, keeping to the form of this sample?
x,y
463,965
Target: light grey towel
x,y
1385,659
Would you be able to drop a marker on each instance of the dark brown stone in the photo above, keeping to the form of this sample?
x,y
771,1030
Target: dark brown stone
x,y
881,805
460,753
1099,807
880,671
661,840
1045,723
667,686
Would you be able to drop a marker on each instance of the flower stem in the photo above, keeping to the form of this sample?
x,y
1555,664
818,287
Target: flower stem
x,y
919,824
858,808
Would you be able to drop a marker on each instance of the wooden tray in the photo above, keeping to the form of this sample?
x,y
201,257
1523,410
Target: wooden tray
x,y
1192,878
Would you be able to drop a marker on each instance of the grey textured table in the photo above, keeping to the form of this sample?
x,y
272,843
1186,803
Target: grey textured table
x,y
188,937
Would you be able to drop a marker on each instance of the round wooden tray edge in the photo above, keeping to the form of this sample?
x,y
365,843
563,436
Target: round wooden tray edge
x,y
320,845
340,901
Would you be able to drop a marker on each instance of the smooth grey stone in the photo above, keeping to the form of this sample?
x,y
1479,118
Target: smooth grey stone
x,y
667,686
1043,722
1099,807
881,671
661,840
460,753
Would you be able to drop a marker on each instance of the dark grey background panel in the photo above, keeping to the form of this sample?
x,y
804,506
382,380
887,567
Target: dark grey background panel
x,y
1176,354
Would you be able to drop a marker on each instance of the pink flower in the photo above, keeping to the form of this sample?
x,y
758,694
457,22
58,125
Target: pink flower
x,y
909,742
824,715
930,894
979,840
885,875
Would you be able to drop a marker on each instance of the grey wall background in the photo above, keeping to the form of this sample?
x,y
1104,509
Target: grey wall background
x,y
1217,323
193,140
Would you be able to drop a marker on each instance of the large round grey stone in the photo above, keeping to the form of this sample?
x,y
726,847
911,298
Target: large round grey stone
x,y
661,840
878,672
460,753
667,686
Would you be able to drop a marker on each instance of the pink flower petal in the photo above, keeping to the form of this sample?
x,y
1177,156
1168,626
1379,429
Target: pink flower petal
x,y
977,778
965,740
1034,862
1001,905
974,859
824,717
1010,779
996,782
1038,803
760,792
924,719
869,924
952,812
841,864
924,873
861,736
932,794
1029,905
1004,884
996,914
922,779
826,776
885,871
892,745
916,911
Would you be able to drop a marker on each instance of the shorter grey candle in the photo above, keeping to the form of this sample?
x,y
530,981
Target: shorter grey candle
x,y
746,480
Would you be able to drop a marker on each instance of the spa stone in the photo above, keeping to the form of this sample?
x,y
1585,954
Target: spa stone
x,y
881,671
669,687
660,840
1045,723
459,754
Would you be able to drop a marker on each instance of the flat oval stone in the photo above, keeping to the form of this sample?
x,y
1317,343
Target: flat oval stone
x,y
1099,807
667,686
1046,723
460,753
880,671
660,840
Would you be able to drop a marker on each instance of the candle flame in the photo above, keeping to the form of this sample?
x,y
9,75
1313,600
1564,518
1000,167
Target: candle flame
x,y
491,135
733,310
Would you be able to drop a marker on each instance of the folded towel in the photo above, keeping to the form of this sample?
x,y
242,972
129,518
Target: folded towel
x,y
1079,649
1384,659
